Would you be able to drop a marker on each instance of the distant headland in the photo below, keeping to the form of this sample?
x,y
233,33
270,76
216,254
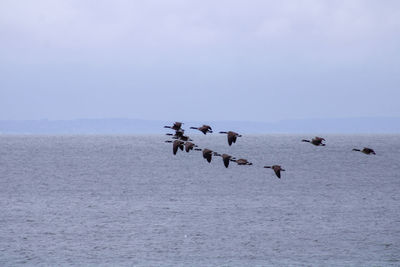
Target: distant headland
x,y
390,125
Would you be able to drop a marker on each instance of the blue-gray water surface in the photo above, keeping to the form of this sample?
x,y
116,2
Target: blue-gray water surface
x,y
127,200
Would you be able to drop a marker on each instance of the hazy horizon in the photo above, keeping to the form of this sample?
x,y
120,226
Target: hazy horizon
x,y
139,126
200,121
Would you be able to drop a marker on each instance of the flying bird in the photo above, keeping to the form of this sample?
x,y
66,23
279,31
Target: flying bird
x,y
316,141
176,126
277,169
204,129
184,138
231,136
179,134
242,162
189,146
207,154
175,145
365,150
225,158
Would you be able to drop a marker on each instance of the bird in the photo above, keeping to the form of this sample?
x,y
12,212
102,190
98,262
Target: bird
x,y
207,154
179,134
242,162
277,169
365,150
176,144
225,158
204,129
231,136
184,138
176,126
189,146
316,141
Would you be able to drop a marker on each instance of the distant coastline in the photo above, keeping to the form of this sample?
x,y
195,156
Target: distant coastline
x,y
390,125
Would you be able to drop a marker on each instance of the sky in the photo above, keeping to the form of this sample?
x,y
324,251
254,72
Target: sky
x,y
205,60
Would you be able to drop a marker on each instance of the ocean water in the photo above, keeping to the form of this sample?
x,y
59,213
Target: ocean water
x,y
128,201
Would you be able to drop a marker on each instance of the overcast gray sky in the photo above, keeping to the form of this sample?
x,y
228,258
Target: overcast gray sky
x,y
199,60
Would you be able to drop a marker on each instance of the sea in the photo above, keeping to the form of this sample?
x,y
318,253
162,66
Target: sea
x,y
126,200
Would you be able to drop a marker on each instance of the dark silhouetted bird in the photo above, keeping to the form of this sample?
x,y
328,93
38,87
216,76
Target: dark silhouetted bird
x,y
316,141
242,162
231,136
366,150
277,169
204,129
177,126
207,154
180,135
177,144
225,158
189,146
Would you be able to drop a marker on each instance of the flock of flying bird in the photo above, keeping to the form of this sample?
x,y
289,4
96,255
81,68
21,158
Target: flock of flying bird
x,y
183,142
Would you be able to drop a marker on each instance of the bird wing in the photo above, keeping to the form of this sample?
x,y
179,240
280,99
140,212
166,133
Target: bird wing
x,y
226,161
277,170
208,157
188,146
230,139
175,146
